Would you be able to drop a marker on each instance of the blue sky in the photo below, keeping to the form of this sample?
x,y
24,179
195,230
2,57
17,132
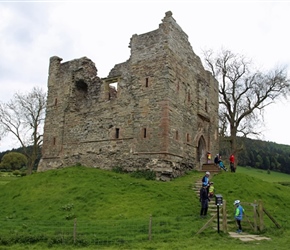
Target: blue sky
x,y
33,31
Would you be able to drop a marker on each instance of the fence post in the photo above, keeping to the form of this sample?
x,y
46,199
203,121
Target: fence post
x,y
150,228
225,228
75,230
261,215
255,215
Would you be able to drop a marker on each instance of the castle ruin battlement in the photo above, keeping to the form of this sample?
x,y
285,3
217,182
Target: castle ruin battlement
x,y
158,110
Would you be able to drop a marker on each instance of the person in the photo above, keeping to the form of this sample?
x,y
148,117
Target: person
x,y
239,213
217,159
203,198
232,163
211,190
221,164
208,156
205,181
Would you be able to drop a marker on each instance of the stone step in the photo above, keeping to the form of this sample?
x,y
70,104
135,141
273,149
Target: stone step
x,y
211,167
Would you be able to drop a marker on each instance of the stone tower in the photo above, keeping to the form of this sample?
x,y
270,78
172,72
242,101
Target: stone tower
x,y
158,110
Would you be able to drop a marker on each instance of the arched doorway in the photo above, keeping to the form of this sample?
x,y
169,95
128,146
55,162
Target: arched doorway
x,y
201,152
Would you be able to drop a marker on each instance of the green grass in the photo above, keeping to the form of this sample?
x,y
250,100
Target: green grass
x,y
6,178
113,210
265,175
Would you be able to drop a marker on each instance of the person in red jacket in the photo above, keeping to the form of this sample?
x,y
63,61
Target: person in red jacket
x,y
232,163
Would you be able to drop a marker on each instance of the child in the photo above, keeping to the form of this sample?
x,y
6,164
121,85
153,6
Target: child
x,y
239,212
211,190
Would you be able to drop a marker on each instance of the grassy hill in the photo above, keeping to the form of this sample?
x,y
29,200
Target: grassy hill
x,y
85,208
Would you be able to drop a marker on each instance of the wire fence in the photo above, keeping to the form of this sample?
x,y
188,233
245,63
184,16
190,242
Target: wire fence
x,y
101,232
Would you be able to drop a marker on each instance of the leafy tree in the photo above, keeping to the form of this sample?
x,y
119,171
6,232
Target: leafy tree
x,y
23,117
244,93
13,161
259,162
266,162
274,164
264,155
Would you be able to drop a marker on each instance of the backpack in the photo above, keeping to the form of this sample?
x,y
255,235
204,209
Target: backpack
x,y
216,160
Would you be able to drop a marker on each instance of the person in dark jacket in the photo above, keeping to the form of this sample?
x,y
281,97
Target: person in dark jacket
x,y
217,159
203,197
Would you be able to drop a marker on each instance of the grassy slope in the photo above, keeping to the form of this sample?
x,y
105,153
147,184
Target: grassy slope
x,y
264,175
92,194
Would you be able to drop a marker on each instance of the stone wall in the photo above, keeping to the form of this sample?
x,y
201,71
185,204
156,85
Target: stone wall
x,y
163,116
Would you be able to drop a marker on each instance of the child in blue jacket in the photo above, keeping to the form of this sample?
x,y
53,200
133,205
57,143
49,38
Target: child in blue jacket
x,y
239,212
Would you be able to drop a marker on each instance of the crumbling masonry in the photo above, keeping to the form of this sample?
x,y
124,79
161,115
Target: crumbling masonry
x,y
158,110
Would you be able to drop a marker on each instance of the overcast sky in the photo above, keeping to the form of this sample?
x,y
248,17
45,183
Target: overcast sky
x,y
33,31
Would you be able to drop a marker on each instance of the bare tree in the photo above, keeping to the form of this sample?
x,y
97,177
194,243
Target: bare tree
x,y
244,93
23,118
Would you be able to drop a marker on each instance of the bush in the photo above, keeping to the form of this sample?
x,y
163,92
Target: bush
x,y
147,174
119,170
16,173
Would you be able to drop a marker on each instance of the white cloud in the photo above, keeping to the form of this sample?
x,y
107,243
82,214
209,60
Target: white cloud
x,y
32,32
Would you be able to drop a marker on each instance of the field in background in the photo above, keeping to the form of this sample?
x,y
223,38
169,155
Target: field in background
x,y
265,175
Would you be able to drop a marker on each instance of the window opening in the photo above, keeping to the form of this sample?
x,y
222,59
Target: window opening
x,y
82,86
54,141
117,133
147,82
81,90
176,135
55,101
187,137
113,89
144,133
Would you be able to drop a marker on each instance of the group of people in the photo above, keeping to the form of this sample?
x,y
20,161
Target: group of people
x,y
205,195
218,161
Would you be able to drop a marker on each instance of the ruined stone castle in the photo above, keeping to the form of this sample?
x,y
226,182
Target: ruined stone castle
x,y
156,111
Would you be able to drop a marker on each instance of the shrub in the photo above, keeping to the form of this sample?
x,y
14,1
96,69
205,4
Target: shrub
x,y
16,172
119,170
147,174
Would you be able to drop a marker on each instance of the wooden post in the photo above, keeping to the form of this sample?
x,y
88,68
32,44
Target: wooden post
x,y
225,224
75,230
261,215
255,216
218,218
150,228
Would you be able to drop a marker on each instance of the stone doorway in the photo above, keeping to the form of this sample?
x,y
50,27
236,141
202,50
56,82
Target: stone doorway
x,y
201,153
